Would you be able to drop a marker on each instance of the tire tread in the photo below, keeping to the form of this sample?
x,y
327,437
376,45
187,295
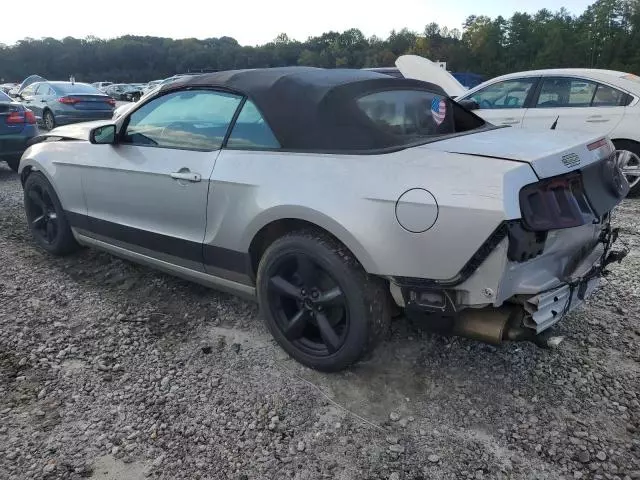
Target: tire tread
x,y
372,289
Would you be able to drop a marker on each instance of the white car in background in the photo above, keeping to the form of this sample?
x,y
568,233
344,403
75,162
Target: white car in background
x,y
599,101
603,102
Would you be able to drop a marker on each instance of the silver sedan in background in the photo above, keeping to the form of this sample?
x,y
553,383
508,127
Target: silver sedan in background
x,y
61,103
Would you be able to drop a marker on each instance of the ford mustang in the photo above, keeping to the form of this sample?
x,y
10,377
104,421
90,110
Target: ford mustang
x,y
335,197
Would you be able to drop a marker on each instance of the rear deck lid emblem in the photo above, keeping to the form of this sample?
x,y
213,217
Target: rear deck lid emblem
x,y
571,160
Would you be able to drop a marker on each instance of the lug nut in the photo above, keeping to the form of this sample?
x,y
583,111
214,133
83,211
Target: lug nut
x,y
303,292
314,294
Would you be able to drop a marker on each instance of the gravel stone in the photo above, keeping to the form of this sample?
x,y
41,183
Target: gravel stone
x,y
583,456
601,456
394,416
433,458
396,448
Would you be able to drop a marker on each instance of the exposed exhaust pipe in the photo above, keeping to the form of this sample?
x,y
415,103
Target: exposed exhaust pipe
x,y
491,325
486,325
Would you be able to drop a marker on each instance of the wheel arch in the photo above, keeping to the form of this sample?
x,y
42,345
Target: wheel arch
x,y
618,140
276,222
31,165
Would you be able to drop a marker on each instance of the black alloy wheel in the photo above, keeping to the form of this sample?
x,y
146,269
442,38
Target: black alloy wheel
x,y
47,220
318,302
308,305
42,215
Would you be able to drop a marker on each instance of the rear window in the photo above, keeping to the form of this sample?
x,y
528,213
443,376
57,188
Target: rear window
x,y
76,89
416,114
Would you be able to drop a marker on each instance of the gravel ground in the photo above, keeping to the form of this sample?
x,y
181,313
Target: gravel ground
x,y
110,370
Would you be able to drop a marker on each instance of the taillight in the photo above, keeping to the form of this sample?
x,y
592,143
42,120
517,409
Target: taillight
x,y
555,203
15,118
30,117
111,101
68,100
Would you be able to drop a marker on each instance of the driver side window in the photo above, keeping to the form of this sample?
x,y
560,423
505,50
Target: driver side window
x,y
506,94
187,119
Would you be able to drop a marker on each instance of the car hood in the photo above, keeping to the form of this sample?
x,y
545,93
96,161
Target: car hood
x,y
420,68
549,153
75,131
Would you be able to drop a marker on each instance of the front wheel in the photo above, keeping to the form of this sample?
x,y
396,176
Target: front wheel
x,y
628,157
47,221
318,302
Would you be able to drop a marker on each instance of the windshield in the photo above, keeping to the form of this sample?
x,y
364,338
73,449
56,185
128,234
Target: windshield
x,y
75,88
416,114
4,97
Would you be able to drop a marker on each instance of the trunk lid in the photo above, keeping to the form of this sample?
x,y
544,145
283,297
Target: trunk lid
x,y
6,109
420,68
549,153
88,102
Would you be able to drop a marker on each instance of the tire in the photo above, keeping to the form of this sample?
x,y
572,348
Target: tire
x,y
43,208
633,160
354,305
49,120
14,163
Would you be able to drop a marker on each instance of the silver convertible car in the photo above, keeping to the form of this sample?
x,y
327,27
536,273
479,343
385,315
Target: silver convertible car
x,y
336,198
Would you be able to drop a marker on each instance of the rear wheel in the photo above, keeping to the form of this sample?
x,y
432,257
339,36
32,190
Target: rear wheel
x,y
628,156
318,302
49,120
47,221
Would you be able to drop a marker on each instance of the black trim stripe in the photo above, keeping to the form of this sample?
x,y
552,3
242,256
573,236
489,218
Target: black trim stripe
x,y
210,255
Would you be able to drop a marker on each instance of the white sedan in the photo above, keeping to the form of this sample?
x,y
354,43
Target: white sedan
x,y
599,101
602,102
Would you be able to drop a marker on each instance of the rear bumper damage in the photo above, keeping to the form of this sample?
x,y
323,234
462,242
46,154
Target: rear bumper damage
x,y
507,300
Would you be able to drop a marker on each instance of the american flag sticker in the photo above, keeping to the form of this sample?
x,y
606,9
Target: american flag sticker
x,y
438,109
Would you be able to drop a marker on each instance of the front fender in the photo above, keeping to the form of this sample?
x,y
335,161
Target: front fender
x,y
51,159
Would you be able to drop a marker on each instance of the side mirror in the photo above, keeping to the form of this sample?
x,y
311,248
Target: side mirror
x,y
469,104
104,135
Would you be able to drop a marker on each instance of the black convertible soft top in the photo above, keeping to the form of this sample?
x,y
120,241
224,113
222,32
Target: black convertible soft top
x,y
312,109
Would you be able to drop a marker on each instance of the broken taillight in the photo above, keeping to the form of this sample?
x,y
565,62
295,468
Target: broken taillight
x,y
555,203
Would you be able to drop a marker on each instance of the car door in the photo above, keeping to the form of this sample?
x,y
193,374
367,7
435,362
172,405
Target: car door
x,y
45,95
504,102
579,104
148,192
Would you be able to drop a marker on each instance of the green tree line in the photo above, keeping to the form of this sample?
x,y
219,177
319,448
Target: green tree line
x,y
606,35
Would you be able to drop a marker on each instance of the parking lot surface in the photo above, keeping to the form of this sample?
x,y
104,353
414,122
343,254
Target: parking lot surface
x,y
109,370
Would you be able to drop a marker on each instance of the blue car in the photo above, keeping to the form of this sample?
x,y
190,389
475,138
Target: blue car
x,y
61,103
17,127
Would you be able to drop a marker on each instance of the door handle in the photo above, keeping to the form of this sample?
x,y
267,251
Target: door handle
x,y
185,174
510,121
597,119
43,101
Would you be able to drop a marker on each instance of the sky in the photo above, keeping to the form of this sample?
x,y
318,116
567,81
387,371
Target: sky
x,y
254,22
